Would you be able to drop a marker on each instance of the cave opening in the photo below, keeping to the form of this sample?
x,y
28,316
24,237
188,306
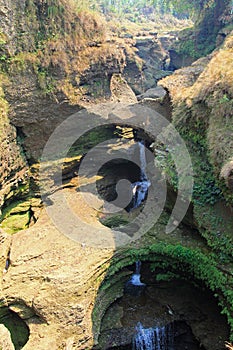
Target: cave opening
x,y
111,173
170,306
17,327
112,156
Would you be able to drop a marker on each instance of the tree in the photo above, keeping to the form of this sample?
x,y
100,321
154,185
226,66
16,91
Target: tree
x,y
198,7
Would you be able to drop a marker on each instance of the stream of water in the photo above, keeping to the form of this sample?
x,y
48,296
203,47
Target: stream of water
x,y
140,188
158,338
136,277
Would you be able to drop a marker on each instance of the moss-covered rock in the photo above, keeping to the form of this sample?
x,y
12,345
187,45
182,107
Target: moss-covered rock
x,y
19,215
202,112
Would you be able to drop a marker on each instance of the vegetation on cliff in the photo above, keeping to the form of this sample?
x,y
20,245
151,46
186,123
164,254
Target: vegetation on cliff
x,y
66,54
209,19
203,109
62,44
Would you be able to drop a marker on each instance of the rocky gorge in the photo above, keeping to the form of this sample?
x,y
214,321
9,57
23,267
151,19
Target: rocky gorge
x,y
63,293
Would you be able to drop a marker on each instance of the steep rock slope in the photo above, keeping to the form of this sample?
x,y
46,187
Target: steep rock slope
x,y
60,58
202,112
13,173
52,282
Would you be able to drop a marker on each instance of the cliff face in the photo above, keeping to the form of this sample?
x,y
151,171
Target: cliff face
x,y
202,99
60,59
202,112
212,25
57,57
54,62
13,175
13,162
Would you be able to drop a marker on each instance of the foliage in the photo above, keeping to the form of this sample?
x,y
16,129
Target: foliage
x,y
45,81
202,113
133,9
114,221
190,264
168,276
215,228
91,139
191,47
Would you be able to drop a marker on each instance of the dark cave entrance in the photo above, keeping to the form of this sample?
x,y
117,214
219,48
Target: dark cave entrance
x,y
17,327
188,311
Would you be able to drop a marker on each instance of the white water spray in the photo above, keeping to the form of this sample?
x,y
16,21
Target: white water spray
x,y
140,188
136,278
159,338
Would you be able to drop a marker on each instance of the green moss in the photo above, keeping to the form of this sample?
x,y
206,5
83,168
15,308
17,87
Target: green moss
x,y
46,82
190,264
216,228
110,291
16,222
21,191
196,49
169,276
114,221
91,139
17,215
208,192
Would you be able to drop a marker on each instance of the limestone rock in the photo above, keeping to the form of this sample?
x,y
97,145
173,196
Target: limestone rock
x,y
184,77
13,168
22,311
121,91
157,92
152,63
5,339
5,243
56,280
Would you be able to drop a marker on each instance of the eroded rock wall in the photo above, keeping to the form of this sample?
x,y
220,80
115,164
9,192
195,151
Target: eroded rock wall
x,y
202,112
13,168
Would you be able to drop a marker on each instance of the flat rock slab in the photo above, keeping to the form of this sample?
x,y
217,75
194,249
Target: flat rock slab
x,y
157,92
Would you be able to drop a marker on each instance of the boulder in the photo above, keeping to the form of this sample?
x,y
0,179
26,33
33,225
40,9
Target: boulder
x,y
157,92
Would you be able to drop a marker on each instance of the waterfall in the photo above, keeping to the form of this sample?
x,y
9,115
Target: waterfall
x,y
159,338
144,338
140,188
142,160
138,265
134,286
136,278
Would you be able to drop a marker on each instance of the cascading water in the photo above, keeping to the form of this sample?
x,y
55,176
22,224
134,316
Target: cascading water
x,y
134,286
159,338
136,278
144,338
142,160
140,188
